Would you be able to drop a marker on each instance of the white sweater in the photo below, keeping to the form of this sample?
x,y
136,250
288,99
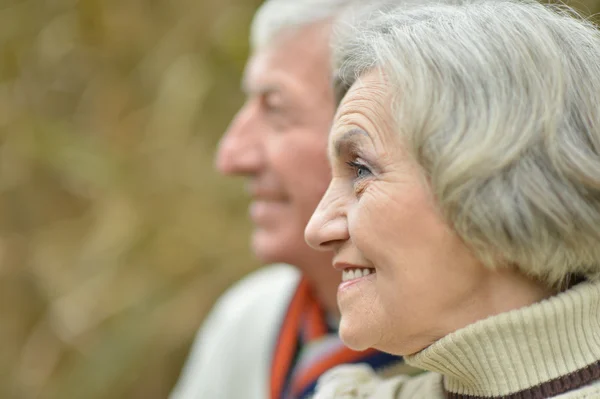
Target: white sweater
x,y
231,356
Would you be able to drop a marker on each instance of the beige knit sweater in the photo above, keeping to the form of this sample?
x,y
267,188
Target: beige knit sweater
x,y
547,350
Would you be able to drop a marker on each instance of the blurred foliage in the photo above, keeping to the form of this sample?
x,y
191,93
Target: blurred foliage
x,y
116,235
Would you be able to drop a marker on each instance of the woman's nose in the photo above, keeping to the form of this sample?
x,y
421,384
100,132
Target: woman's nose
x,y
328,227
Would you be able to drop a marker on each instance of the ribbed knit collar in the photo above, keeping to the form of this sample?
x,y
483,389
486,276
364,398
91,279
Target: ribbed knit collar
x,y
535,352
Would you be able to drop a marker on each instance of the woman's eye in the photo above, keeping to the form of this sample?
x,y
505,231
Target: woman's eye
x,y
360,170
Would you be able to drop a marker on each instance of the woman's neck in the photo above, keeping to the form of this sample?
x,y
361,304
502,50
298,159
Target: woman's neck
x,y
551,345
500,290
507,289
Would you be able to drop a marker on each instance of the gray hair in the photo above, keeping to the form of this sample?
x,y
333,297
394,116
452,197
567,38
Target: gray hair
x,y
275,16
499,102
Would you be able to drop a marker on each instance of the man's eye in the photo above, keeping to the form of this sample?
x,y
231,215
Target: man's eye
x,y
273,103
360,170
272,108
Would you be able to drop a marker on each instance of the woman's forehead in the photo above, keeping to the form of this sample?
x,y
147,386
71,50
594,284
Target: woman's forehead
x,y
366,99
370,90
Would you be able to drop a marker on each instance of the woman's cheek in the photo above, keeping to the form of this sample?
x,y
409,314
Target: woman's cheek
x,y
360,187
362,221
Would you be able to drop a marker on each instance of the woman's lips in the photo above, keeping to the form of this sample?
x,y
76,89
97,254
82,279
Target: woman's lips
x,y
354,273
355,279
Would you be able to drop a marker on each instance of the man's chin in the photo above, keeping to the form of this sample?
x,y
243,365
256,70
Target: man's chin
x,y
272,247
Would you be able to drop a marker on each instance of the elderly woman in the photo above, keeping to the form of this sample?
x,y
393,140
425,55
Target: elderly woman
x,y
464,208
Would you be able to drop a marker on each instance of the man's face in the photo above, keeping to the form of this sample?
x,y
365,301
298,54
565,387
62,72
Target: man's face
x,y
278,141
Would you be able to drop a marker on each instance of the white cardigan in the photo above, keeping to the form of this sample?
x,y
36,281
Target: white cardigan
x,y
231,356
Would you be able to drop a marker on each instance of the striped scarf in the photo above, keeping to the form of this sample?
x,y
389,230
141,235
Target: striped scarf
x,y
307,348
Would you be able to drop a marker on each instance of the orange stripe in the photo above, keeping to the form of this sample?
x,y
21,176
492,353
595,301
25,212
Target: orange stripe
x,y
315,325
286,345
343,355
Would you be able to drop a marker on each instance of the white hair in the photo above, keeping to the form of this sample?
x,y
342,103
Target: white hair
x,y
275,16
499,102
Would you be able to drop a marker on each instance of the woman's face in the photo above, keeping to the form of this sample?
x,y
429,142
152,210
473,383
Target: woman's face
x,y
378,214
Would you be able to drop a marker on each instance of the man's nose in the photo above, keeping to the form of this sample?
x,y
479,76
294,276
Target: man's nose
x,y
328,226
239,151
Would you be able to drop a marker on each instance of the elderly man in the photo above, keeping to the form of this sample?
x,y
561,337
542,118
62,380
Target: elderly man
x,y
275,332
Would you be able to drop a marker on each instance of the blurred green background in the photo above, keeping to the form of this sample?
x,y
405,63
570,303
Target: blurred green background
x,y
116,234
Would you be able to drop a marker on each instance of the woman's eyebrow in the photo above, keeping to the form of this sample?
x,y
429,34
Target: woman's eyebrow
x,y
347,141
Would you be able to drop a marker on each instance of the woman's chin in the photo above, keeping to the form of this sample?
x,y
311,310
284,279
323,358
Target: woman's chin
x,y
355,337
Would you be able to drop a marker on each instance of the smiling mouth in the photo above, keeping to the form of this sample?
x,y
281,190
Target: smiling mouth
x,y
355,273
265,193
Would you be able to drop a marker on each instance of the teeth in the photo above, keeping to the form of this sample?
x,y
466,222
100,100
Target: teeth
x,y
347,274
351,274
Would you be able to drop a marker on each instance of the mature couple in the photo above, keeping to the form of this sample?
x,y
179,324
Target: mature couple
x,y
459,189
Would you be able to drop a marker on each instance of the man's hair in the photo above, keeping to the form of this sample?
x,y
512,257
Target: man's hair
x,y
499,102
275,16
